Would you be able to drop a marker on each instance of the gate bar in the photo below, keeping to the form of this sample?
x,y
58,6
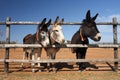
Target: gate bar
x,y
115,41
6,68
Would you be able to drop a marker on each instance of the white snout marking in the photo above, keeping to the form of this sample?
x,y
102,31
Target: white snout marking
x,y
97,36
46,42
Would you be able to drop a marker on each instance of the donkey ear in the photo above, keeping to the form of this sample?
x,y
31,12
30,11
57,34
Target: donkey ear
x,y
88,15
43,21
41,24
49,22
56,20
95,17
61,22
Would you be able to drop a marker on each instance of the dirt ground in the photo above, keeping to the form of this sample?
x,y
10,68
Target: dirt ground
x,y
66,71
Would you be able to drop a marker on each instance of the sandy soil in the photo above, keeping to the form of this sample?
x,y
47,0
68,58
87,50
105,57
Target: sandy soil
x,y
63,68
64,53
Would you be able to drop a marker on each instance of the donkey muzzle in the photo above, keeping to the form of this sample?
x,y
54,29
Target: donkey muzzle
x,y
97,37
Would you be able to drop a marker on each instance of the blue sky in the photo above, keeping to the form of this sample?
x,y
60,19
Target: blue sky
x,y
70,10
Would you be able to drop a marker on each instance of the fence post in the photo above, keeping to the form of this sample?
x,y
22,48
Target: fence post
x,y
6,68
115,42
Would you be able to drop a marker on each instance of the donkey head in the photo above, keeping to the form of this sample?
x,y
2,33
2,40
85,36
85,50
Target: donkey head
x,y
42,32
89,28
56,33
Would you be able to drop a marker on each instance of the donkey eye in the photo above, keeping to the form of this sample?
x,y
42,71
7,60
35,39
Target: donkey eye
x,y
56,30
93,27
42,32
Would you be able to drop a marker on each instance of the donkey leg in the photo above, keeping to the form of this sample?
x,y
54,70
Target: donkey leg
x,y
78,56
81,55
24,56
39,65
53,64
82,65
38,58
33,58
48,64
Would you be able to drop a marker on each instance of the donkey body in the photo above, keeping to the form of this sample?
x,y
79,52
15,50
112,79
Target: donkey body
x,y
87,29
40,37
56,38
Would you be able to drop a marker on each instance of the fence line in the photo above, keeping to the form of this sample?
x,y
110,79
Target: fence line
x,y
8,22
62,46
59,60
64,23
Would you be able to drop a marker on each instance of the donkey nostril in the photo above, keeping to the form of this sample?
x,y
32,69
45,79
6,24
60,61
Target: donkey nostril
x,y
99,38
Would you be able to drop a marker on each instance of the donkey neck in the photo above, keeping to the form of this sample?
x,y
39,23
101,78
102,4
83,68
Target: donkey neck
x,y
52,41
83,37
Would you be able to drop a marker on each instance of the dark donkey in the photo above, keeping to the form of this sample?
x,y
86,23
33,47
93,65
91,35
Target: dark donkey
x,y
87,29
40,37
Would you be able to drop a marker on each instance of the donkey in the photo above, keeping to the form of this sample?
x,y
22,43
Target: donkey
x,y
87,30
56,38
40,37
